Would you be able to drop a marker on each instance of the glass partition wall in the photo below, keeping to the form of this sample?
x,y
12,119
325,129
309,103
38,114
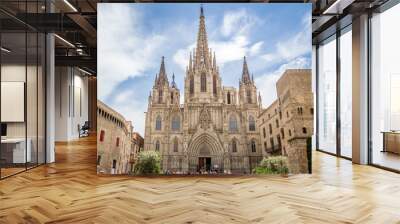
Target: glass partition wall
x,y
385,89
22,77
327,95
334,104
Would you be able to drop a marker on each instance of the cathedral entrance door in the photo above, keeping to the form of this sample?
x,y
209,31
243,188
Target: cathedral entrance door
x,y
204,164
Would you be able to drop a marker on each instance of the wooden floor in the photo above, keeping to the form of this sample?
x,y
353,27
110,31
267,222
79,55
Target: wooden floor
x,y
69,191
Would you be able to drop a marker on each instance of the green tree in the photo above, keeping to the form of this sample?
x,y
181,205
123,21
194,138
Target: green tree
x,y
149,162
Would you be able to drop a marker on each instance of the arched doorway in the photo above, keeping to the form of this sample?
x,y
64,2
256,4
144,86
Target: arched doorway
x,y
205,153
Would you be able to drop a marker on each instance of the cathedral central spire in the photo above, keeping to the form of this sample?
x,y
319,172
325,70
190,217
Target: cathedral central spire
x,y
202,51
245,72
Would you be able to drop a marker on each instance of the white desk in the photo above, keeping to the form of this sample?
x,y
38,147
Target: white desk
x,y
18,149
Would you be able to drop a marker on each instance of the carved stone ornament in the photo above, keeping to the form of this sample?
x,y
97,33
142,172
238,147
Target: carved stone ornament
x,y
205,118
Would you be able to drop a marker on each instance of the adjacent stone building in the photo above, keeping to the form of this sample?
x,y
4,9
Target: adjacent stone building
x,y
138,144
215,128
287,124
116,142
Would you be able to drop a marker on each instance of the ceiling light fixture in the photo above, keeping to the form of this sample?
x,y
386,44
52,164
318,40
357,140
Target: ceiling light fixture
x,y
64,40
84,71
337,7
5,50
70,5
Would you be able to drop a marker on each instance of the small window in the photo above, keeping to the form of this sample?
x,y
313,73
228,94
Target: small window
x,y
117,143
253,146
252,123
264,133
233,123
271,140
176,145
172,97
311,111
277,123
114,165
228,96
280,115
300,110
98,159
248,96
160,96
287,114
290,132
203,82
191,85
158,123
304,130
102,134
176,123
283,133
157,146
215,85
270,129
234,146
265,146
279,140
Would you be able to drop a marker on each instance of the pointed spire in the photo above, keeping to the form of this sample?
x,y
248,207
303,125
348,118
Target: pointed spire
x,y
155,79
214,61
162,75
162,67
252,78
202,44
190,62
173,84
245,72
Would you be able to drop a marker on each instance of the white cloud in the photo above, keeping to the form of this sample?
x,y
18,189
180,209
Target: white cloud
x,y
237,22
123,52
294,47
255,48
127,104
235,28
267,82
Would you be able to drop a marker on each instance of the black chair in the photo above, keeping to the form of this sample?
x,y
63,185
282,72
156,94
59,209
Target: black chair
x,y
84,130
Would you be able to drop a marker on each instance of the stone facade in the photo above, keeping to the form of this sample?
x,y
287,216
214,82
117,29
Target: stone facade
x,y
117,145
215,128
287,124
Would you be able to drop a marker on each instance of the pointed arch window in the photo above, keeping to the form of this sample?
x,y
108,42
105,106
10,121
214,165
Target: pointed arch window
x,y
176,123
253,146
158,123
252,123
229,97
157,146
160,96
234,145
203,82
215,85
248,96
175,144
233,123
191,85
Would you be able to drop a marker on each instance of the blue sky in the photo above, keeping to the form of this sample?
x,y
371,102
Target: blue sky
x,y
133,37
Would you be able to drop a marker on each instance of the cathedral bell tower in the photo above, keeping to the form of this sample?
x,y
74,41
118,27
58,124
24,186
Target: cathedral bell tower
x,y
247,88
202,80
161,86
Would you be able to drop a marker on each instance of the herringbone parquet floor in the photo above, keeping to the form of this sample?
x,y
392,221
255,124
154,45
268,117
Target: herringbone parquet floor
x,y
69,191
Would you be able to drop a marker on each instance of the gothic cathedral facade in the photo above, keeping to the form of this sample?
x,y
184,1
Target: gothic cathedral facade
x,y
215,128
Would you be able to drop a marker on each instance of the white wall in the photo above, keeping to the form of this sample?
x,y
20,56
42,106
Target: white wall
x,y
71,102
